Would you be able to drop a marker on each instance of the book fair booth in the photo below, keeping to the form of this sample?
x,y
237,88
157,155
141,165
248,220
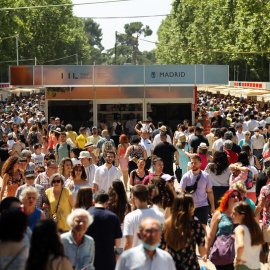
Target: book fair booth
x,y
85,95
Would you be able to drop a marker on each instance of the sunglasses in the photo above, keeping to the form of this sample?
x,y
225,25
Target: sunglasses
x,y
78,170
56,181
4,136
235,196
40,171
46,159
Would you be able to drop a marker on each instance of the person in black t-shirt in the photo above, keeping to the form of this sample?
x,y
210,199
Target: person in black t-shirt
x,y
106,232
198,139
166,151
4,155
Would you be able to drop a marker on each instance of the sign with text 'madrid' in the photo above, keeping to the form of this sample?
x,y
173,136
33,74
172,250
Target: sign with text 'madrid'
x,y
118,75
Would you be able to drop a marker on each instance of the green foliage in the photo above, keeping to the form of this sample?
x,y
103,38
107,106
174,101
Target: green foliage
x,y
218,25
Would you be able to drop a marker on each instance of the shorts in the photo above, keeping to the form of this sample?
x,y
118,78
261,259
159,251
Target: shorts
x,y
202,214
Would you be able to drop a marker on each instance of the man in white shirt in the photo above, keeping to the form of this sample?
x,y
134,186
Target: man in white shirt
x,y
147,255
210,138
252,124
157,139
257,143
263,122
106,174
239,133
133,219
130,124
146,143
90,169
219,142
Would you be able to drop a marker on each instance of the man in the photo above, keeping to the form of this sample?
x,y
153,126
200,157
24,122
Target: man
x,y
37,157
42,200
94,139
16,118
106,173
90,169
206,124
106,232
59,125
104,138
4,155
130,124
204,186
43,179
166,151
89,147
133,219
146,143
239,133
263,122
158,166
62,149
232,156
52,124
156,131
198,139
81,140
79,247
219,142
147,255
30,166
261,132
116,130
157,138
252,124
235,147
210,139
257,143
70,133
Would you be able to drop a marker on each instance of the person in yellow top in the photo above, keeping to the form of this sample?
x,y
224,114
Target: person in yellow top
x,y
71,134
60,201
81,139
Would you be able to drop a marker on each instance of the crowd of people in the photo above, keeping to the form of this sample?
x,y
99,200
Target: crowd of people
x,y
134,196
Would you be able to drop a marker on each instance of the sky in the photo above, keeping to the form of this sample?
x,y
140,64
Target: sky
x,y
121,9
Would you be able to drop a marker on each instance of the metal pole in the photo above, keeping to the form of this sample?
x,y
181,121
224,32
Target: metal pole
x,y
35,61
17,49
77,58
115,48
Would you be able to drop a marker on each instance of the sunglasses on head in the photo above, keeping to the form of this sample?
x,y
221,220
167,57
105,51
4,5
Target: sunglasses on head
x,y
56,181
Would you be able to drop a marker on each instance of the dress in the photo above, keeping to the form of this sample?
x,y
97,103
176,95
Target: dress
x,y
64,208
183,158
13,184
186,258
122,161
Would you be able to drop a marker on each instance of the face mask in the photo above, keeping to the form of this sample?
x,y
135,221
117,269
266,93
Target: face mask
x,y
150,247
256,133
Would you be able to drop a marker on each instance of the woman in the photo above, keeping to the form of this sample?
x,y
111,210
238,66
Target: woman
x,y
234,139
29,197
45,145
84,198
219,173
74,154
253,160
121,151
65,167
164,196
13,225
16,132
182,232
48,157
222,224
134,152
182,146
55,138
137,176
118,204
247,139
12,177
60,201
248,236
202,153
78,179
47,252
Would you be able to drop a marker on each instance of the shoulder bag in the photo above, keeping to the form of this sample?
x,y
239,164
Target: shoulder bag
x,y
14,258
55,213
193,188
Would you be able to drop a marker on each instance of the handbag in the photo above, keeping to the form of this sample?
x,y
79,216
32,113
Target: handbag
x,y
193,188
178,173
55,213
223,251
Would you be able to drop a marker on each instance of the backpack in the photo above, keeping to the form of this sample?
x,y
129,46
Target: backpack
x,y
33,139
118,129
249,181
68,147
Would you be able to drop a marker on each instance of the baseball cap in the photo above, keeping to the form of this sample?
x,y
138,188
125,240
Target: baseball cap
x,y
29,173
167,177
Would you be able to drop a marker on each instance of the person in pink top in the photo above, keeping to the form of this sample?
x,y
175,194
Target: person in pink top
x,y
158,166
202,153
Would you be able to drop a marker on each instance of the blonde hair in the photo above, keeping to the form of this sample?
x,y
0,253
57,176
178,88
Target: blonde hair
x,y
240,186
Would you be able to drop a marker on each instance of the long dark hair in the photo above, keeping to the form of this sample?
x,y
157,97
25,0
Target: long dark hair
x,y
44,242
243,158
220,162
118,202
177,229
255,231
